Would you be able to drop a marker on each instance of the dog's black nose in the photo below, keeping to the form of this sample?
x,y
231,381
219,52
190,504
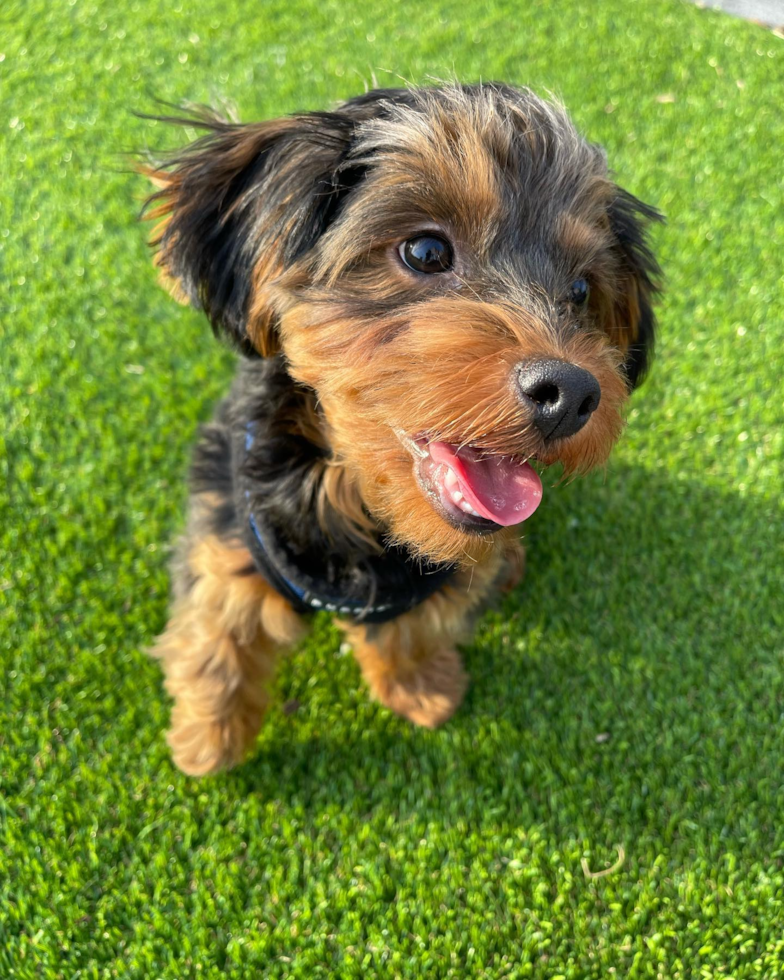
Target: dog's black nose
x,y
560,396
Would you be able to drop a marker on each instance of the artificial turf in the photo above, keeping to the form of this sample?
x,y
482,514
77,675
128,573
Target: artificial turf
x,y
629,693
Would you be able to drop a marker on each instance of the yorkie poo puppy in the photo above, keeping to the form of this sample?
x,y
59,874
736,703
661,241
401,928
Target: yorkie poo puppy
x,y
431,289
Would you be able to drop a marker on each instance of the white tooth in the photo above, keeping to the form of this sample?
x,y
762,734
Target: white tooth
x,y
450,480
457,496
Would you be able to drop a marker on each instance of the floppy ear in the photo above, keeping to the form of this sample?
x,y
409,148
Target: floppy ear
x,y
238,206
633,321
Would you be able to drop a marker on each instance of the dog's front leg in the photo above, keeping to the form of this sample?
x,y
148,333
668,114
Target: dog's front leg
x,y
410,664
218,652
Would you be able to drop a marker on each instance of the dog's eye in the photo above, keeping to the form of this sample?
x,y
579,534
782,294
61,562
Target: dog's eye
x,y
427,254
579,292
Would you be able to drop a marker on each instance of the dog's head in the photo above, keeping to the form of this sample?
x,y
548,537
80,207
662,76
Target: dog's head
x,y
451,270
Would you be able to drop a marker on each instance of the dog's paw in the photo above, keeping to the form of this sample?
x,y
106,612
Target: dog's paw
x,y
431,695
201,748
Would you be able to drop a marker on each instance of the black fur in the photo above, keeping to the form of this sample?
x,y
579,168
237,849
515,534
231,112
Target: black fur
x,y
235,188
233,198
280,464
628,219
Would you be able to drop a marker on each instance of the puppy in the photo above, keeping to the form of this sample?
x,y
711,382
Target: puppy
x,y
430,289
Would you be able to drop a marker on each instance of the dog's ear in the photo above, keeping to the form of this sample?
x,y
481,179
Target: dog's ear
x,y
241,204
632,319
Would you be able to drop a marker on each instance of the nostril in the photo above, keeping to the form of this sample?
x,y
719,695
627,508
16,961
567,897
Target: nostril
x,y
545,394
587,406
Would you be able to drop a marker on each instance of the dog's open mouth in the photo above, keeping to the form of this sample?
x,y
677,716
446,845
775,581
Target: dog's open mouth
x,y
473,489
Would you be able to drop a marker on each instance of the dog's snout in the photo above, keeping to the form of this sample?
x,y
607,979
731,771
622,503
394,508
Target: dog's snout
x,y
560,397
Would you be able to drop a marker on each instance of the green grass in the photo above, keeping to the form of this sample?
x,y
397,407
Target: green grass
x,y
353,845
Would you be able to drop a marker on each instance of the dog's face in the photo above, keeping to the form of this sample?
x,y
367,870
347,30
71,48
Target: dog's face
x,y
452,272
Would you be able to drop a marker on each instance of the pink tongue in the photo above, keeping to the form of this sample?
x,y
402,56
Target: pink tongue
x,y
499,488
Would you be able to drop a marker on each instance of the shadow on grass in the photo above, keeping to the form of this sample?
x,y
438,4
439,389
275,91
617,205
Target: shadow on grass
x,y
630,688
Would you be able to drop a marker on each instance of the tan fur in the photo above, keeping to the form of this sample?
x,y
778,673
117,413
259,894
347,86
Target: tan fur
x,y
339,491
261,318
218,653
447,375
